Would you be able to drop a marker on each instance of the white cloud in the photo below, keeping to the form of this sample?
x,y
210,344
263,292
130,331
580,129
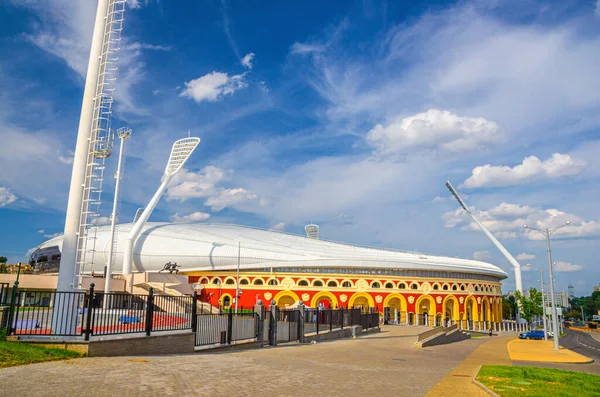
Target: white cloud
x,y
135,4
278,227
597,8
228,198
247,60
481,255
506,221
67,159
41,231
525,257
561,266
532,169
213,86
101,221
6,197
434,129
188,185
52,235
302,48
193,217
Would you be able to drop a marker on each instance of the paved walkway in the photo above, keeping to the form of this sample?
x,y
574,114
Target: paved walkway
x,y
543,351
383,364
459,381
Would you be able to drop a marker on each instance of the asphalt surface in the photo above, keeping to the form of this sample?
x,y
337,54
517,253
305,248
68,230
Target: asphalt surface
x,y
582,343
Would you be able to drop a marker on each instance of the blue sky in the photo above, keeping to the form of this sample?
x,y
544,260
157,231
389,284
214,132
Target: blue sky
x,y
351,115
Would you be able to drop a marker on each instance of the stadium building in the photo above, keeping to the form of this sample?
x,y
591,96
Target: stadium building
x,y
218,260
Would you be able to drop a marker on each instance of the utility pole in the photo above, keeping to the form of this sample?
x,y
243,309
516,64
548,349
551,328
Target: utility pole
x,y
547,233
543,304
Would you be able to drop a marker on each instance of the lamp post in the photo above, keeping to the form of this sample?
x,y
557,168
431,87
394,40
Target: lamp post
x,y
547,233
543,304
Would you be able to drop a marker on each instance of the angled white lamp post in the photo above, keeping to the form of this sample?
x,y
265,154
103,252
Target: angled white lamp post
x,y
180,153
547,233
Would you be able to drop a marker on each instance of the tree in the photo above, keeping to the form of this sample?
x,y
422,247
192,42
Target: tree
x,y
531,306
3,268
509,307
3,259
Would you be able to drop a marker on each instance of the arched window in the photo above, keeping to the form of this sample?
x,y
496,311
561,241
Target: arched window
x,y
230,281
476,289
462,287
389,285
217,281
204,281
226,301
436,287
332,283
346,284
258,281
273,282
454,288
375,285
402,286
243,282
318,283
303,283
414,286
445,288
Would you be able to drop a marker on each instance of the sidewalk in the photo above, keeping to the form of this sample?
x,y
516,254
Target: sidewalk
x,y
543,351
459,382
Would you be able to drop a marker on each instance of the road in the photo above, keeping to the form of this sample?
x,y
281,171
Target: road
x,y
582,343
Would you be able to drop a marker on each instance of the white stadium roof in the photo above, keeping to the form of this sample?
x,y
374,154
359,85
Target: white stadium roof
x,y
203,247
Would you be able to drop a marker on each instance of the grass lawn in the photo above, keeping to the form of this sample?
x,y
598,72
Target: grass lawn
x,y
533,381
18,353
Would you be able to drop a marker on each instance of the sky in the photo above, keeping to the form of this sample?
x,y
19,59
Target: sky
x,y
348,114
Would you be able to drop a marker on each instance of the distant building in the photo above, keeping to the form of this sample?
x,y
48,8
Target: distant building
x,y
571,290
561,298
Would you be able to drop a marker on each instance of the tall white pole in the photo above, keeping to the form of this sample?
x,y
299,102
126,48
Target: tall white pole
x,y
237,277
73,229
543,304
113,223
552,298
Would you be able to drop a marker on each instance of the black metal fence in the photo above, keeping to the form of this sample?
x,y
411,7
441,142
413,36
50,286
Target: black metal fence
x,y
4,293
91,313
225,328
288,325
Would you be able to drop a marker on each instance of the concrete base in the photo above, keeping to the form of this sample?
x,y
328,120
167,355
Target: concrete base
x,y
340,333
180,343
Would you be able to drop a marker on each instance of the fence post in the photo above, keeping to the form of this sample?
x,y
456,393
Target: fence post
x,y
11,310
229,325
149,311
194,322
302,313
342,315
273,324
330,319
259,311
317,319
89,314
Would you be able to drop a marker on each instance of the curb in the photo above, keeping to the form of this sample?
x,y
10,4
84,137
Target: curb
x,y
482,386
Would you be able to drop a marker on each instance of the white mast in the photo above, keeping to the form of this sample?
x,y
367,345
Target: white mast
x,y
507,255
124,134
180,153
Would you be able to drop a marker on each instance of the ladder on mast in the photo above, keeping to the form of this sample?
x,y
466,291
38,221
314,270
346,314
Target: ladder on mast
x,y
101,139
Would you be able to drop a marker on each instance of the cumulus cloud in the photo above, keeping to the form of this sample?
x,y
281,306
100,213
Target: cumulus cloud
x,y
228,198
278,227
6,197
247,60
101,221
561,266
188,185
531,169
525,257
52,235
193,217
66,159
213,86
506,221
434,129
481,255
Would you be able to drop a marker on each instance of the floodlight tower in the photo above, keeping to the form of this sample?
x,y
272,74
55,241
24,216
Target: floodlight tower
x,y
312,231
180,153
94,142
507,255
124,134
